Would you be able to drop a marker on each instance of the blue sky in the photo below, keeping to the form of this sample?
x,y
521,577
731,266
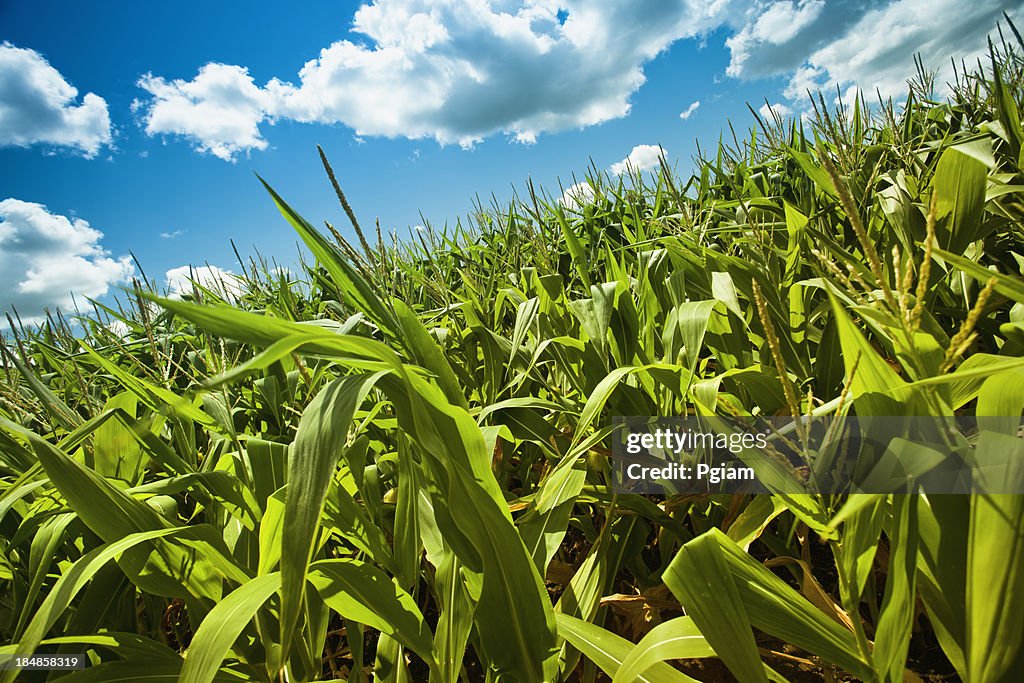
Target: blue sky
x,y
139,126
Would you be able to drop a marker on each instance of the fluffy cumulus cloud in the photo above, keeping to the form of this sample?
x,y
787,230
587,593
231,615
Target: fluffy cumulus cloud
x,y
46,259
38,106
219,110
179,281
577,196
459,71
866,44
641,158
455,71
755,48
770,111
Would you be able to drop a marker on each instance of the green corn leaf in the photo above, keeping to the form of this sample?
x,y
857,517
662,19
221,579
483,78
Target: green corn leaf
x,y
44,546
345,516
455,621
222,626
427,353
755,517
892,635
348,281
768,602
265,331
603,391
112,514
543,526
408,547
677,638
814,172
389,665
60,411
271,528
312,460
526,314
124,643
514,619
862,516
796,224
1006,285
116,450
700,578
575,248
873,383
73,580
268,462
959,184
995,551
152,396
724,289
944,523
693,324
363,593
218,485
609,650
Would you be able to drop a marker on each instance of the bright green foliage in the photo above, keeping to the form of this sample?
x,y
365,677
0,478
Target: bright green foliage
x,y
394,462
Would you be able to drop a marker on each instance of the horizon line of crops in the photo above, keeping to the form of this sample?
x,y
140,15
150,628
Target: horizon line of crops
x,y
398,466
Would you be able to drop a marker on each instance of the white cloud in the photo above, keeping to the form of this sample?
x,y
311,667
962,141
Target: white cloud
x,y
179,281
460,71
688,112
769,111
806,79
456,72
219,110
877,52
170,235
869,44
641,158
44,257
37,106
774,23
577,196
119,328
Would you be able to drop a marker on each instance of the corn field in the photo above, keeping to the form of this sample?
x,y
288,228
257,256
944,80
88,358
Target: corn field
x,y
392,462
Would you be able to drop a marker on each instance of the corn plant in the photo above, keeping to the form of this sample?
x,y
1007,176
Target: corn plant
x,y
393,462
